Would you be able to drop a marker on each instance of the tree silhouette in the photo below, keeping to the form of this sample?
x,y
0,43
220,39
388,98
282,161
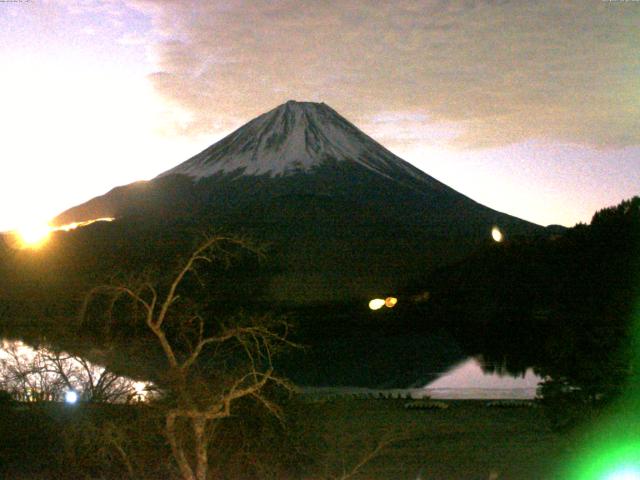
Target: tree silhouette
x,y
210,364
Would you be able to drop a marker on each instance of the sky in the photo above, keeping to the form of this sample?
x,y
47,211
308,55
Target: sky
x,y
529,107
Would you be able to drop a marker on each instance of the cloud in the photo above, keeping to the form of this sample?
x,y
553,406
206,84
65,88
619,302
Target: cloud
x,y
495,72
404,130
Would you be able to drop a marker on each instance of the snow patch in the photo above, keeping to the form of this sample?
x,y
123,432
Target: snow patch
x,y
294,137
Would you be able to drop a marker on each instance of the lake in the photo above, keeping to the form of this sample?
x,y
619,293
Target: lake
x,y
49,375
464,381
30,374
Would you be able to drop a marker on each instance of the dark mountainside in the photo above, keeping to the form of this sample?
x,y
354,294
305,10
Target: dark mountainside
x,y
343,220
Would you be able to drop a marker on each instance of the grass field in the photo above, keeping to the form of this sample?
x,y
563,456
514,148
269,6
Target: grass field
x,y
467,440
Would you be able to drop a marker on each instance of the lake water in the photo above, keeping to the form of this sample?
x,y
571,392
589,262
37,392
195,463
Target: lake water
x,y
465,381
30,375
26,371
468,381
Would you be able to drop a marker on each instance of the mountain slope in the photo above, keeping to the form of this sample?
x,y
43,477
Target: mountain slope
x,y
344,217
295,137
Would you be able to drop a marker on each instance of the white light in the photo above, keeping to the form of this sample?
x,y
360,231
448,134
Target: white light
x,y
71,397
625,474
496,234
376,304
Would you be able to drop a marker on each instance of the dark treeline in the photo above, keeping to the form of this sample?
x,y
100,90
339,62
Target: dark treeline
x,y
564,305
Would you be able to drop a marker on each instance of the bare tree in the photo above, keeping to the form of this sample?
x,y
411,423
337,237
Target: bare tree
x,y
45,374
210,364
348,455
24,374
94,383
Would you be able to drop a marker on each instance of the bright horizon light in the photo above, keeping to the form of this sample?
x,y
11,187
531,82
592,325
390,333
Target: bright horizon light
x,y
100,95
85,145
35,235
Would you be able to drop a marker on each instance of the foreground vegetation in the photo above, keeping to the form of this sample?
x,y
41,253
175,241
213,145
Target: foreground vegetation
x,y
359,439
564,305
224,413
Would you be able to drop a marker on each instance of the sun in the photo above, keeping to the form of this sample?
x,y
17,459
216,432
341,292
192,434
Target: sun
x,y
33,235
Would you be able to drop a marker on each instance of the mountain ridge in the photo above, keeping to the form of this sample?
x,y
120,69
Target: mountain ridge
x,y
294,137
345,217
278,144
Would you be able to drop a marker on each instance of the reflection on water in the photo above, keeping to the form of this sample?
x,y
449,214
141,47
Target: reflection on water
x,y
32,375
42,374
468,380
465,381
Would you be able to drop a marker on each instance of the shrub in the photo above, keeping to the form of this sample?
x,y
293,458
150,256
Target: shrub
x,y
425,404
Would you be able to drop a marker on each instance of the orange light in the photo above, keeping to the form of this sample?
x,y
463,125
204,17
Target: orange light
x,y
390,302
74,225
32,235
35,234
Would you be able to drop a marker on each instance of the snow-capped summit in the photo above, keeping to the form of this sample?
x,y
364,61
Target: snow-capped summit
x,y
294,137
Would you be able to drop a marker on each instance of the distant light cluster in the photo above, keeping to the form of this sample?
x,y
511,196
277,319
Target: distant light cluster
x,y
378,303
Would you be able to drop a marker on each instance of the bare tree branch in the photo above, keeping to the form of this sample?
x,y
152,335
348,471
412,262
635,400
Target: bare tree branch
x,y
193,402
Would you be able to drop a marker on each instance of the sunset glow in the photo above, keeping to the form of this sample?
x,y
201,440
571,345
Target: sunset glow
x,y
209,207
35,235
100,94
74,225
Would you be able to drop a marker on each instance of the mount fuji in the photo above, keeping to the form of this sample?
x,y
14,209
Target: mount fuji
x,y
294,138
344,217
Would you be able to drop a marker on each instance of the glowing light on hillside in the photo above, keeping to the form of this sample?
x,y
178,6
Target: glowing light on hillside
x,y
74,225
376,304
35,235
496,234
